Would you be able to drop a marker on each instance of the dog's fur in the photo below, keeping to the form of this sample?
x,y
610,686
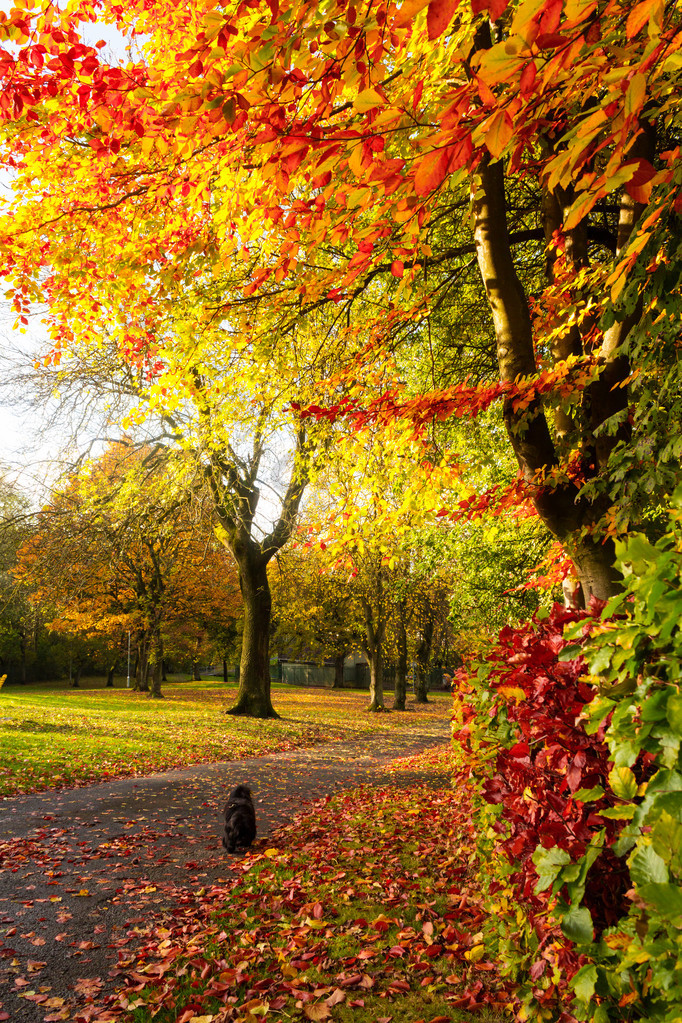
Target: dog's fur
x,y
240,819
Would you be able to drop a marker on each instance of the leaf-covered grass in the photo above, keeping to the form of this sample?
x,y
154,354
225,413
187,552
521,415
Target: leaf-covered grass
x,y
365,911
53,736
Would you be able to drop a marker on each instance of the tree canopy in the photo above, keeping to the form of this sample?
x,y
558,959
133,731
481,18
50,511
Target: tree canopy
x,y
291,213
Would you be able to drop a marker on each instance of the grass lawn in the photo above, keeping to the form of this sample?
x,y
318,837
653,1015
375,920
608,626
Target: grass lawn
x,y
53,736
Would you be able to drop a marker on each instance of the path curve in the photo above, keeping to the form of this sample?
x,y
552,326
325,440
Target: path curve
x,y
81,868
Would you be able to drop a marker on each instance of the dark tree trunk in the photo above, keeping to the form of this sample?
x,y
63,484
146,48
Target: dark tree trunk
x,y
338,670
22,652
421,683
142,664
224,669
154,670
400,690
253,697
110,676
196,674
375,628
376,678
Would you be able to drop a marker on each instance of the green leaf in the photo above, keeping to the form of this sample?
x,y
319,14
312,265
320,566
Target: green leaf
x,y
674,712
619,813
646,866
589,795
623,782
666,898
640,553
584,982
577,925
548,863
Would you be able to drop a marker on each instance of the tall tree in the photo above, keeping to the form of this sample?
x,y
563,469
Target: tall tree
x,y
119,548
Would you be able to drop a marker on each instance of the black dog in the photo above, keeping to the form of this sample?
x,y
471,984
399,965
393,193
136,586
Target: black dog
x,y
240,819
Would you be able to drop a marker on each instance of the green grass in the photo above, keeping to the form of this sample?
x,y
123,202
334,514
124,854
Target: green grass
x,y
53,736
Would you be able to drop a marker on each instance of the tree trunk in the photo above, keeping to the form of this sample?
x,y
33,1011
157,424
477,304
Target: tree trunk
x,y
225,670
338,670
155,661
110,676
560,508
421,683
400,691
22,651
196,674
253,697
376,678
375,628
142,664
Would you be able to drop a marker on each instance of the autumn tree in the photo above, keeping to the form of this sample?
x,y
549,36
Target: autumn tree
x,y
315,607
119,548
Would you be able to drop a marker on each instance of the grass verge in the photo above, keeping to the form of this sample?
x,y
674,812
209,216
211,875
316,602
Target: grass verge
x,y
53,737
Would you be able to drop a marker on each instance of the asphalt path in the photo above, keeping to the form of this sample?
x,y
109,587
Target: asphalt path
x,y
82,871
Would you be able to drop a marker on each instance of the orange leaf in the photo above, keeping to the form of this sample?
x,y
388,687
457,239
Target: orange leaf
x,y
639,16
431,171
439,16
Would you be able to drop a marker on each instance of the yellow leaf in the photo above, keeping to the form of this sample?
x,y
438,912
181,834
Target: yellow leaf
x,y
499,132
634,97
368,100
475,953
408,12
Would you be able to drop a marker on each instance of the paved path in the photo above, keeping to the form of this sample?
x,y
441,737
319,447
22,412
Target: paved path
x,y
81,868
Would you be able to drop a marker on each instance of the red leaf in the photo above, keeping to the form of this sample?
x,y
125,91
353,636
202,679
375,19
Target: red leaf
x,y
439,16
397,268
528,76
494,7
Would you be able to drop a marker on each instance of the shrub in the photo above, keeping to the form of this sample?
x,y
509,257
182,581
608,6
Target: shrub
x,y
572,729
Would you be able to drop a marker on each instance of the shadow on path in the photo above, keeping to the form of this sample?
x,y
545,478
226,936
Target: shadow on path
x,y
80,869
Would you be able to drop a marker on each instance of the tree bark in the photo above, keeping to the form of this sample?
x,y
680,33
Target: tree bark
x,y
400,691
233,483
560,508
375,628
110,676
338,670
155,665
142,664
376,679
253,697
421,683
